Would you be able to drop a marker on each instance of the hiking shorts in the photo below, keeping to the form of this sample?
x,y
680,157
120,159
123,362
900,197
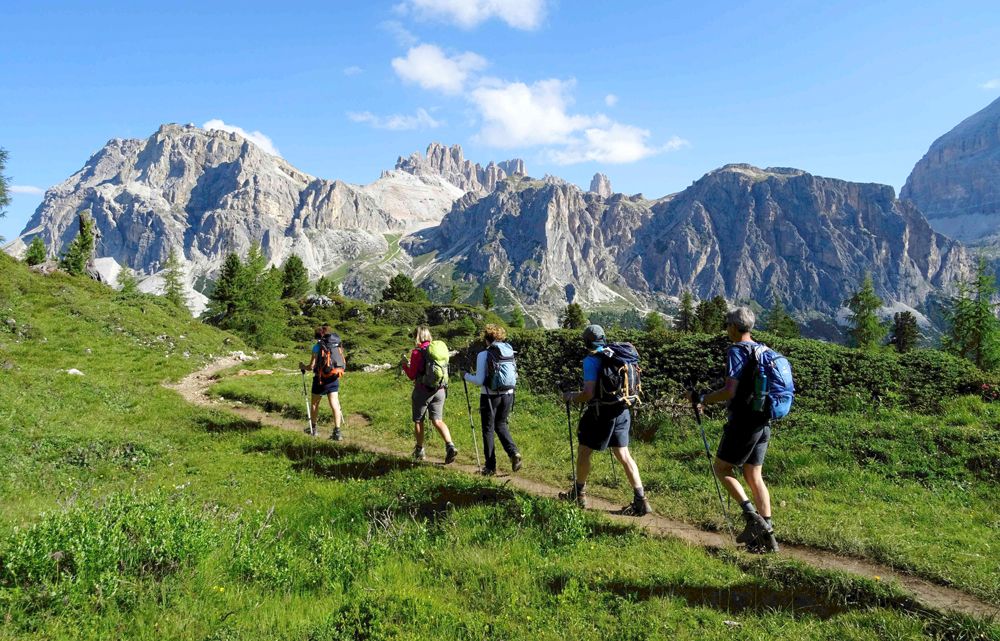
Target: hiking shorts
x,y
606,428
322,389
428,402
742,446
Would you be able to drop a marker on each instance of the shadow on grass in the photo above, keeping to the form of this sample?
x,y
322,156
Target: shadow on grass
x,y
221,424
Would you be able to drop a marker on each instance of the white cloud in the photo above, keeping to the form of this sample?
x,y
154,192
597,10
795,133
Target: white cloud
x,y
991,84
402,35
611,100
515,114
397,122
26,189
353,70
255,137
615,144
429,67
520,14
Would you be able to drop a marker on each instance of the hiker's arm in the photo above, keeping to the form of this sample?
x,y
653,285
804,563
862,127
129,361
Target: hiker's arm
x,y
589,387
479,376
723,394
409,368
311,366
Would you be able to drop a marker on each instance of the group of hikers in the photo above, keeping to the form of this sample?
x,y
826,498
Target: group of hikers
x,y
757,389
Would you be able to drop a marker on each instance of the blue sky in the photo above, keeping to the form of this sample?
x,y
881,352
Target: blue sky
x,y
654,94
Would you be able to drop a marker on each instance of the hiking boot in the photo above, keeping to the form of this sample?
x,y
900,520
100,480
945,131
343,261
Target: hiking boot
x,y
571,495
638,507
418,454
450,454
311,430
488,472
336,435
515,463
764,544
756,527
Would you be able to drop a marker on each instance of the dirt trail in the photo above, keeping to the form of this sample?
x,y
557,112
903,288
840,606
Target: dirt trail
x,y
194,388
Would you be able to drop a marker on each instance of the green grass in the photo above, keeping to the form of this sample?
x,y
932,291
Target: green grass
x,y
127,513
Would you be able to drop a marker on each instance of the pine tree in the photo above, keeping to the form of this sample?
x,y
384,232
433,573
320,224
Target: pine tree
x,y
173,280
974,331
905,334
453,297
325,286
572,317
779,322
686,320
654,322
36,253
74,260
4,182
402,289
294,278
516,317
487,298
128,285
867,331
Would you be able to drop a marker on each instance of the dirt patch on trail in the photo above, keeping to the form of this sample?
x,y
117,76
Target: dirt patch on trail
x,y
194,389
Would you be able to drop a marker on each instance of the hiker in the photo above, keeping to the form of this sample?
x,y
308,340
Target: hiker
x,y
428,369
327,365
496,375
605,423
745,435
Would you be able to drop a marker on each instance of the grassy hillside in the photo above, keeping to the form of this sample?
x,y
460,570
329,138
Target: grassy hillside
x,y
126,513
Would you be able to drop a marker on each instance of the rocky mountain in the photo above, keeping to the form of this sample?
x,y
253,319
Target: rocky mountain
x,y
450,164
742,232
601,185
957,183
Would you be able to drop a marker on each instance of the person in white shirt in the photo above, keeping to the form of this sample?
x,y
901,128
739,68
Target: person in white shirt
x,y
496,398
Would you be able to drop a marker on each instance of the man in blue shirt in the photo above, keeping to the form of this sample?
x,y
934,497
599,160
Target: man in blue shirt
x,y
745,436
601,426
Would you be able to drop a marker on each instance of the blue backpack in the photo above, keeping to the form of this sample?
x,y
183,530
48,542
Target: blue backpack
x,y
773,388
501,368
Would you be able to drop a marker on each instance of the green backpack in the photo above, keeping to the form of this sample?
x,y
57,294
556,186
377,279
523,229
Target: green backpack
x,y
436,358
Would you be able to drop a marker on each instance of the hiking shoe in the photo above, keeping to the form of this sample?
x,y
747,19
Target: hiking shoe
x,y
336,435
311,430
638,507
515,463
450,454
571,495
764,544
418,454
755,527
488,472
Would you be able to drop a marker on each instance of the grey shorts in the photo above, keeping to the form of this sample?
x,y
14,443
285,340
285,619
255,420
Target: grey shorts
x,y
425,401
741,446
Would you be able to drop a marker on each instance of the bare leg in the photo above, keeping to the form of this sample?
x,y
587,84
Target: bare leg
x,y
631,469
761,497
418,433
442,429
316,398
583,463
338,418
726,473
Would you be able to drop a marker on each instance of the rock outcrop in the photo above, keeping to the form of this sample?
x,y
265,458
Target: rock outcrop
x,y
957,183
450,164
601,185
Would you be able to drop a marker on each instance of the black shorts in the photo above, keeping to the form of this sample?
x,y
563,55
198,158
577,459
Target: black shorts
x,y
606,428
329,387
742,446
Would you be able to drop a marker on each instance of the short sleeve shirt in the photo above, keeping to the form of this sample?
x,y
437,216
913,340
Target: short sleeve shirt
x,y
591,368
736,359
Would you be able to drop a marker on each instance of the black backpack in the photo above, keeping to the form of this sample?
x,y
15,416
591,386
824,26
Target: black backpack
x,y
331,362
619,380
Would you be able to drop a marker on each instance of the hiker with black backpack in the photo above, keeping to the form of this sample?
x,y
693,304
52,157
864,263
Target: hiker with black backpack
x,y
610,388
496,374
427,367
327,365
758,388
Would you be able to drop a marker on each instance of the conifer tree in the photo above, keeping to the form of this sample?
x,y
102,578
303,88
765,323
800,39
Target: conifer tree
x,y
173,280
295,278
516,317
867,331
686,320
974,330
74,260
4,182
653,322
36,253
325,286
905,333
128,285
572,317
779,322
402,289
487,298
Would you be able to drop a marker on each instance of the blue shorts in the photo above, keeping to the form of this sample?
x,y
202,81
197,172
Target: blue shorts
x,y
604,427
329,387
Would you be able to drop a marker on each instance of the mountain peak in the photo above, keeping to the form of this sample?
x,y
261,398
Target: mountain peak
x,y
601,185
450,163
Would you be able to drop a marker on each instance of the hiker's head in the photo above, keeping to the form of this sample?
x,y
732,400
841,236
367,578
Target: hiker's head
x,y
325,329
740,321
318,333
423,335
593,336
493,333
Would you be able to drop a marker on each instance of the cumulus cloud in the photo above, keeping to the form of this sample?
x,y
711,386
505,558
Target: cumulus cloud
x,y
255,137
428,66
26,189
519,14
397,122
611,100
991,84
518,115
353,70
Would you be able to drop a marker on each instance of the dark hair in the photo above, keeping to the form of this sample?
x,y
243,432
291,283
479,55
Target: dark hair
x,y
318,332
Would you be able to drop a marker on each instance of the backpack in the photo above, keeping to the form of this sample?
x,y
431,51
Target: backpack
x,y
436,358
619,380
331,363
772,388
501,368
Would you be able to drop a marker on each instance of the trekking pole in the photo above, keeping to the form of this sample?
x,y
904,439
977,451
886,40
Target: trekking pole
x,y
572,455
711,468
472,427
305,394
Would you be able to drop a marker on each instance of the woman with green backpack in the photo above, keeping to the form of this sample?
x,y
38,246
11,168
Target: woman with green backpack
x,y
427,367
